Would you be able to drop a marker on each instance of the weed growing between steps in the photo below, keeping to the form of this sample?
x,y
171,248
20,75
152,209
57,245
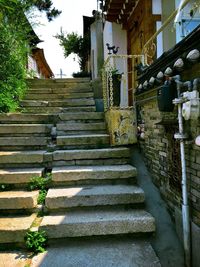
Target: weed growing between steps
x,y
6,187
42,196
36,241
42,184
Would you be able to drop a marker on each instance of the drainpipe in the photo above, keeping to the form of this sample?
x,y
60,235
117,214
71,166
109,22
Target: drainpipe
x,y
195,83
181,136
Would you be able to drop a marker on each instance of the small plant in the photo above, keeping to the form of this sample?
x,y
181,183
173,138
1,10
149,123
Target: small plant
x,y
81,74
40,183
36,241
5,187
42,196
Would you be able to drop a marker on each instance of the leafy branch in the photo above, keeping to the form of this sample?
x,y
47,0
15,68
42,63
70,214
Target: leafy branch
x,y
74,43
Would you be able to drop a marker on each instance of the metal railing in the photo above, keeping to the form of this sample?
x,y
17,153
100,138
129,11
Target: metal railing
x,y
149,48
121,67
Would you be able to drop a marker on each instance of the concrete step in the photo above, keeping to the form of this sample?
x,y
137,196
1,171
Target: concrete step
x,y
62,198
80,116
26,142
66,133
83,128
13,228
20,158
60,90
21,129
77,126
59,103
56,83
56,96
97,222
103,156
19,176
113,251
18,200
81,173
76,140
50,110
25,118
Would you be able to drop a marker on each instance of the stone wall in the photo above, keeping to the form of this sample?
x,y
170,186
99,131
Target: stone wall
x,y
162,154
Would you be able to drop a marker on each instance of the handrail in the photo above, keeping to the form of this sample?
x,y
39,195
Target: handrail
x,y
173,15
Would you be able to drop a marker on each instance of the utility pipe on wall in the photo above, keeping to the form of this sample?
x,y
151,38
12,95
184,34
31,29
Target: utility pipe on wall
x,y
185,207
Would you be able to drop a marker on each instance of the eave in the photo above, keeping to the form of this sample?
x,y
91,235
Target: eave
x,y
119,11
168,59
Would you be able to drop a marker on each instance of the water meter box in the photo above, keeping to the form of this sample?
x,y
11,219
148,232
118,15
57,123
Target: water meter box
x,y
165,96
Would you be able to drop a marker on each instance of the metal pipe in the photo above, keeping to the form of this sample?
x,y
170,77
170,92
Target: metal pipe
x,y
195,83
185,206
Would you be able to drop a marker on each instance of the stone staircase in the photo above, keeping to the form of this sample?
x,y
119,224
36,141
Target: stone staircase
x,y
93,190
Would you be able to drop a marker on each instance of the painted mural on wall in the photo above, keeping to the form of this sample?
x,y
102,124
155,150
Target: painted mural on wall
x,y
121,125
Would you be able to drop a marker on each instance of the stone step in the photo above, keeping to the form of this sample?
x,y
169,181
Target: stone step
x,y
8,158
26,118
90,139
13,228
65,133
19,176
18,200
103,156
61,103
60,90
58,81
77,126
86,116
97,222
73,85
78,173
50,110
62,198
17,129
114,251
56,96
69,87
26,142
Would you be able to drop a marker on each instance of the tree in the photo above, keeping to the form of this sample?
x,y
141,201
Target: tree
x,y
74,43
15,34
10,6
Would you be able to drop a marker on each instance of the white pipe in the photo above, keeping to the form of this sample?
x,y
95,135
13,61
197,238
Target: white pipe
x,y
185,206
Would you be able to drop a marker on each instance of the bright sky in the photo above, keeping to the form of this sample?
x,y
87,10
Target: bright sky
x,y
70,20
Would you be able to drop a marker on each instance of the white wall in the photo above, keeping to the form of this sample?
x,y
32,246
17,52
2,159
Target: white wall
x,y
96,30
93,50
107,37
32,67
115,35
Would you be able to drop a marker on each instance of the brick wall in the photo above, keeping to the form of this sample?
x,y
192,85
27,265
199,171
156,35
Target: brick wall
x,y
162,153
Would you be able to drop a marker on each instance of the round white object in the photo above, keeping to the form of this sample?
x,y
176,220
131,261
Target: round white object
x,y
197,140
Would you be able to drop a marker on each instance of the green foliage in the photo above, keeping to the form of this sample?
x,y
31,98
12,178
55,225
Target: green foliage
x,y
13,52
73,43
81,74
9,6
6,187
15,38
39,183
42,196
36,241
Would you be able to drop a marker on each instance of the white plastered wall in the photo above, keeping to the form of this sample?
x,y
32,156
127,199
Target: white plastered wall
x,y
114,35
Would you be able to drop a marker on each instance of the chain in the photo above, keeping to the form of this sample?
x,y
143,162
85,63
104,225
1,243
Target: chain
x,y
110,87
104,90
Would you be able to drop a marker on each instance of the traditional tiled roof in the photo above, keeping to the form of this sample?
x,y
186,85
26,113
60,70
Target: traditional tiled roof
x,y
172,62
